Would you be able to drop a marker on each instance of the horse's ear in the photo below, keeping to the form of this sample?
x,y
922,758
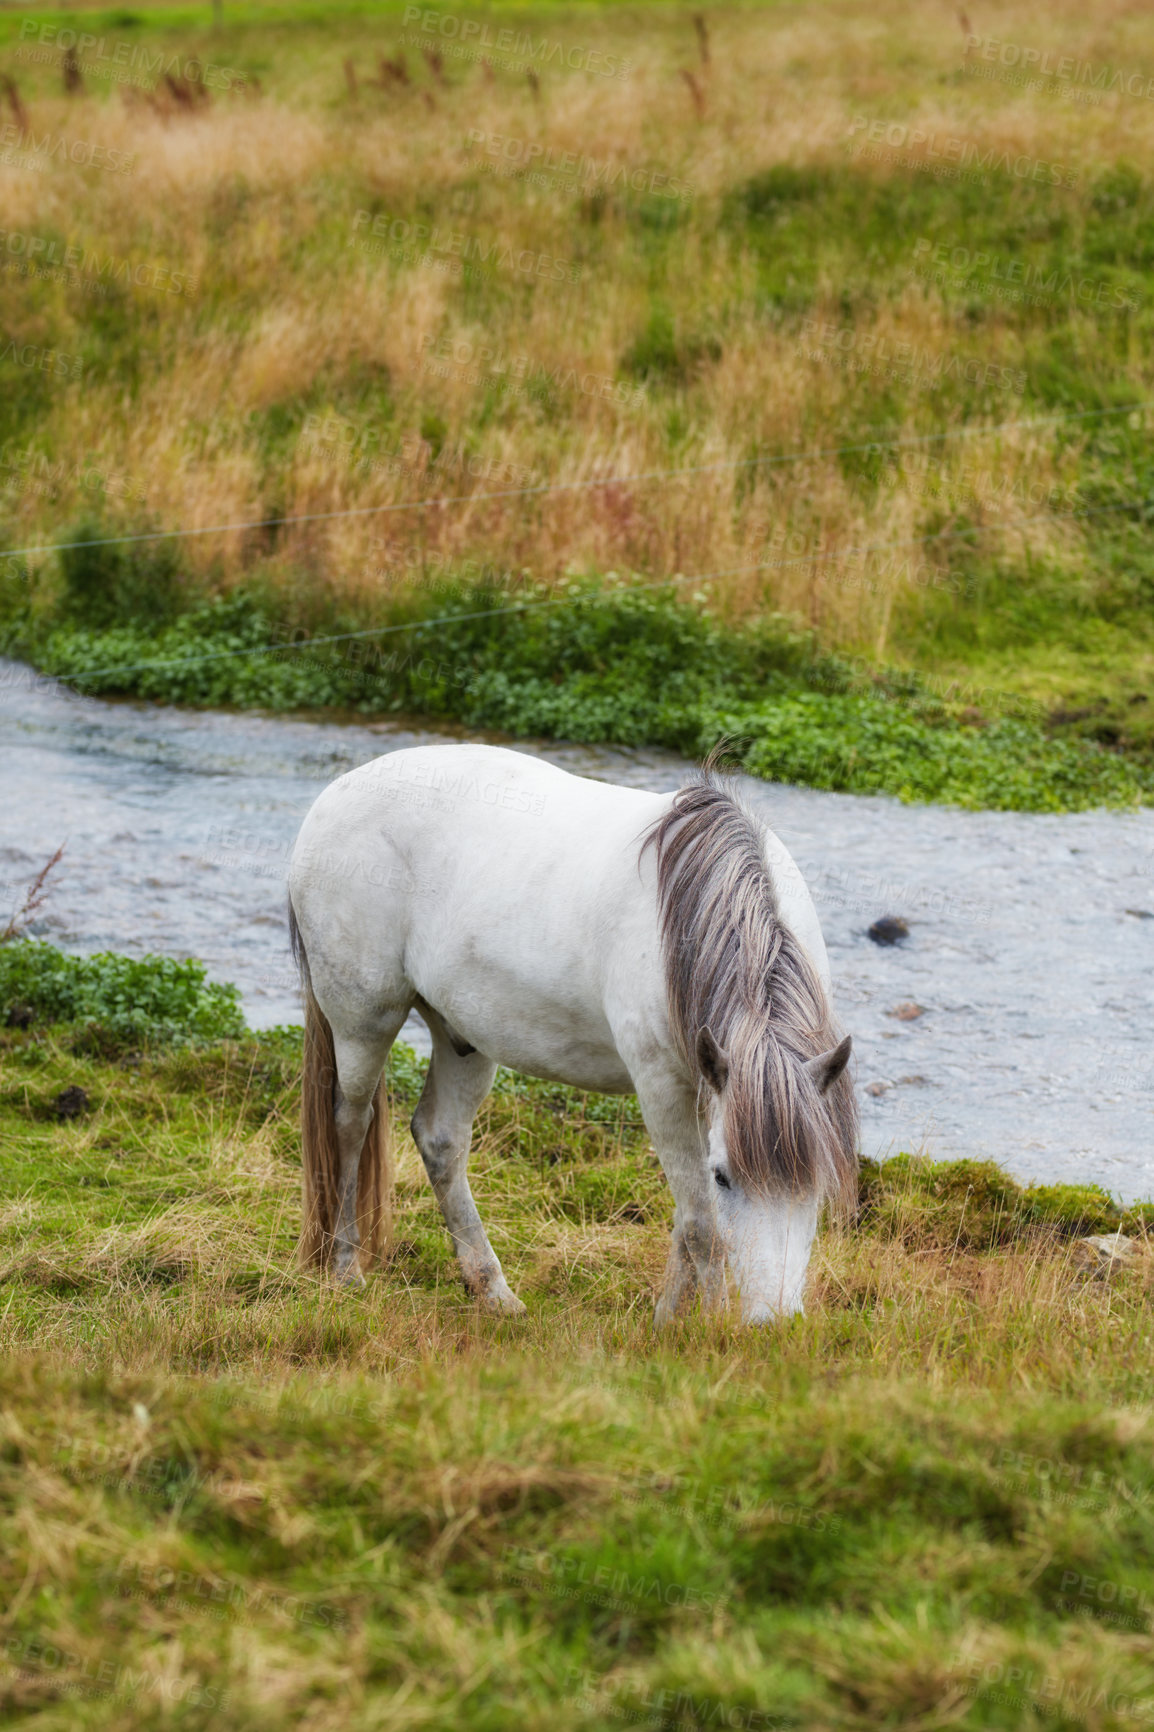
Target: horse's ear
x,y
712,1062
828,1066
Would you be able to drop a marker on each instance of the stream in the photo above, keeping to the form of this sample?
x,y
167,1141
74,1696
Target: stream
x,y
1030,953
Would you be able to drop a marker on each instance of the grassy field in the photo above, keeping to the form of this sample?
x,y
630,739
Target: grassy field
x,y
232,1497
854,310
836,236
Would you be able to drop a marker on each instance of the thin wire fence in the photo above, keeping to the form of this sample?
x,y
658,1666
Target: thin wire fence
x,y
813,560
644,477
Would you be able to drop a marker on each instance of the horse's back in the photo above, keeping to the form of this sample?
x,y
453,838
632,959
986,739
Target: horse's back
x,y
499,889
441,803
505,836
505,892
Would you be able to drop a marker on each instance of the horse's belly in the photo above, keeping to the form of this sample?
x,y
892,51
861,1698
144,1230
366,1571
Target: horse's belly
x,y
561,1035
582,1067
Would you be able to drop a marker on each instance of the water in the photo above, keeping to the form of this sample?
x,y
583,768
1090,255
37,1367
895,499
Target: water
x,y
1037,984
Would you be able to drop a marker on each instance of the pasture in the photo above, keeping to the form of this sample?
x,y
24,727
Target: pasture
x,y
235,1497
621,374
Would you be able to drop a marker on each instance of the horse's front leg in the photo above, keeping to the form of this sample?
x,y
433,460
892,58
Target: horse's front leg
x,y
680,1281
696,1263
443,1130
696,1256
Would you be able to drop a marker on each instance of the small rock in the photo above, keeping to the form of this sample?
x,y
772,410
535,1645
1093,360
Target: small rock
x,y
1102,1254
918,1080
1140,913
70,1103
878,1088
889,929
907,1011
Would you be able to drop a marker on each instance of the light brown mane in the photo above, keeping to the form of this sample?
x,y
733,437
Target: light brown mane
x,y
734,968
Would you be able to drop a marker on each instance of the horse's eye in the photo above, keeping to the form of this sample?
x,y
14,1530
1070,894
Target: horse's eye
x,y
722,1179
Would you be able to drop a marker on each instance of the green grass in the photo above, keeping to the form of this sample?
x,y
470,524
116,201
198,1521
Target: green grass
x,y
929,1501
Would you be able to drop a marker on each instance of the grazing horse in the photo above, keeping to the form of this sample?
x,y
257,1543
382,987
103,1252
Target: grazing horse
x,y
657,944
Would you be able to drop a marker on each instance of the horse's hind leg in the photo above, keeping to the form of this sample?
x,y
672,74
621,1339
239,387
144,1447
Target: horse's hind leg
x,y
443,1129
360,1059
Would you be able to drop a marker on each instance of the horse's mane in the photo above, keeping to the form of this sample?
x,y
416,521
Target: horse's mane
x,y
734,968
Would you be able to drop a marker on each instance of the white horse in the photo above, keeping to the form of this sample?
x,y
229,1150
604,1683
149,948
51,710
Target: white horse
x,y
616,940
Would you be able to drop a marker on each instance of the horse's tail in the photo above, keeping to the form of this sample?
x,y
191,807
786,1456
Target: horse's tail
x,y
321,1156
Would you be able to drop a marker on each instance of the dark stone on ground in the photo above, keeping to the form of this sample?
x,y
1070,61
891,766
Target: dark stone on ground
x,y
889,929
70,1103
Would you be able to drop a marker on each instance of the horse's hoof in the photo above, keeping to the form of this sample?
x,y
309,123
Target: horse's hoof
x,y
502,1302
671,1308
350,1279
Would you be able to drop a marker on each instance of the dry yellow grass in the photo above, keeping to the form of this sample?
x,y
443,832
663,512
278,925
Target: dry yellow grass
x,y
256,198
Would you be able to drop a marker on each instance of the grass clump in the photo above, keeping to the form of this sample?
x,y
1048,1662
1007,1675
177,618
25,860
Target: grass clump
x,y
975,1205
106,582
225,1484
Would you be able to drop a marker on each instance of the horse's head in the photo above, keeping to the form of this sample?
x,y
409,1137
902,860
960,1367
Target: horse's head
x,y
777,1134
751,1018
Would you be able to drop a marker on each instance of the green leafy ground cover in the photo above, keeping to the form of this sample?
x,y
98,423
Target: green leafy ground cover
x,y
609,665
231,1497
116,1000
